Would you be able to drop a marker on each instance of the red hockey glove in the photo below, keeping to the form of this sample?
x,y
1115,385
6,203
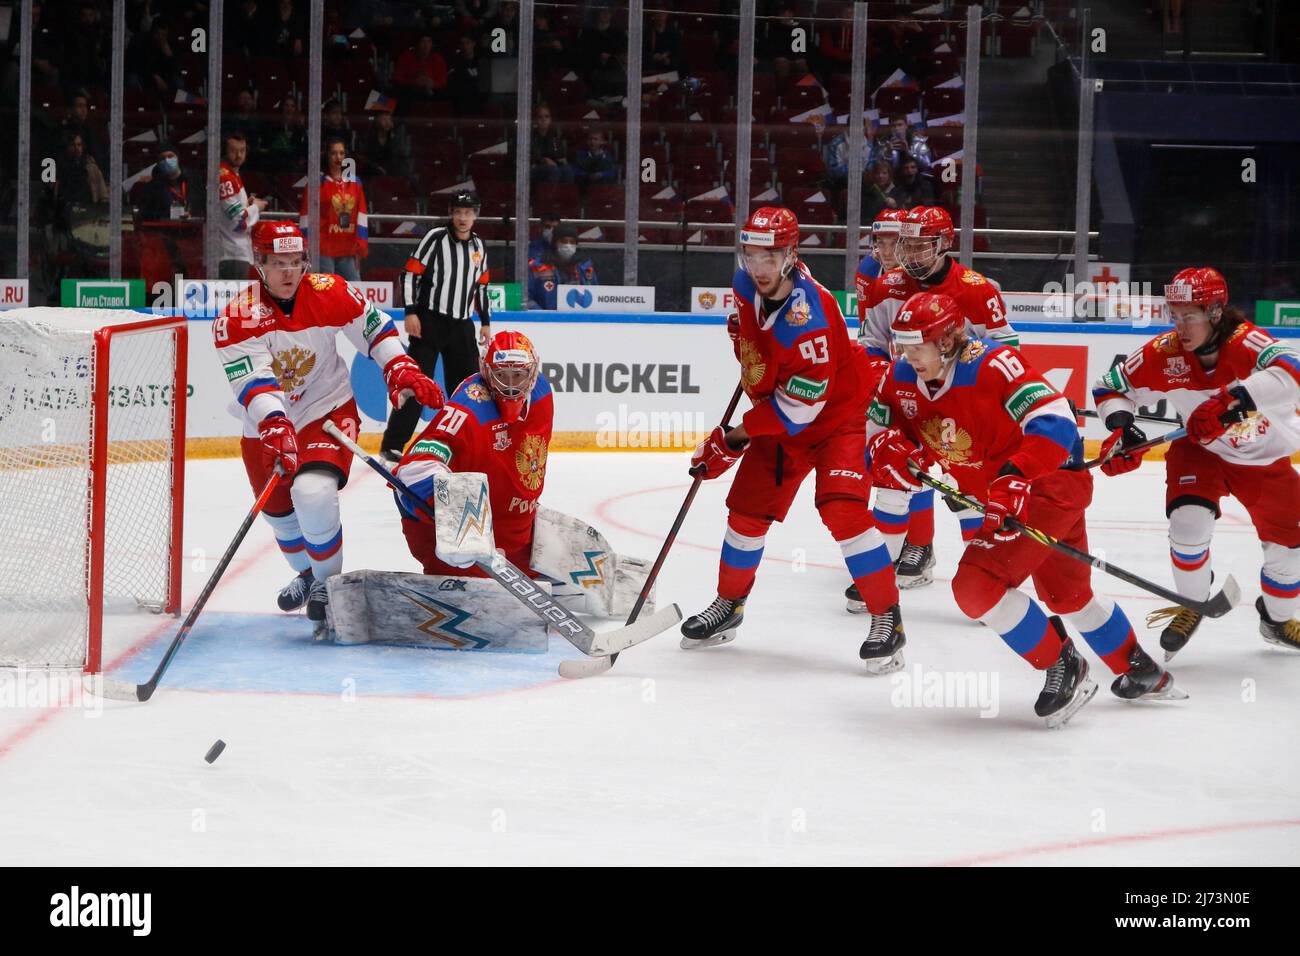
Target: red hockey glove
x,y
890,455
1211,418
279,443
733,330
1008,498
1116,459
713,456
404,379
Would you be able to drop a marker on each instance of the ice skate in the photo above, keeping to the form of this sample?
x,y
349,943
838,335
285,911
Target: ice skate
x,y
882,651
1145,680
915,566
1282,633
1183,623
1067,686
294,594
716,624
318,600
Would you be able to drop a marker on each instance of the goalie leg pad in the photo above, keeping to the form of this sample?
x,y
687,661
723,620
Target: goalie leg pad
x,y
464,518
572,552
433,611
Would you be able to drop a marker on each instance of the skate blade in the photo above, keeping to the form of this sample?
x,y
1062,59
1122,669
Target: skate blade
x,y
915,580
855,607
880,666
1277,641
716,640
1166,691
1087,690
322,633
1170,655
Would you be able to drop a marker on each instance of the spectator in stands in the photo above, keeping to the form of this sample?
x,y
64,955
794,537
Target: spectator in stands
x,y
544,243
661,49
245,31
85,50
47,51
602,44
421,73
77,120
835,153
595,164
334,124
344,230
239,211
169,194
506,19
286,30
150,63
777,43
549,162
470,13
904,141
898,47
914,188
78,180
284,144
548,48
464,79
386,150
879,191
244,117
562,265
835,41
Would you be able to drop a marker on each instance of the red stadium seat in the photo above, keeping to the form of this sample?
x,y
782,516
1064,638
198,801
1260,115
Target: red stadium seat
x,y
945,102
561,197
896,100
799,166
484,169
711,210
944,140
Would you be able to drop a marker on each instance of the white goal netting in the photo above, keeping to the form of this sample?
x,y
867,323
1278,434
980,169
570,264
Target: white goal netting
x,y
50,463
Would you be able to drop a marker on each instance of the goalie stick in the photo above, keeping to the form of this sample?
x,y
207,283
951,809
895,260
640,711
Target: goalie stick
x,y
1217,606
124,690
575,670
521,587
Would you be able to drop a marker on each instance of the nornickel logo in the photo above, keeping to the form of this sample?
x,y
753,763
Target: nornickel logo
x,y
75,909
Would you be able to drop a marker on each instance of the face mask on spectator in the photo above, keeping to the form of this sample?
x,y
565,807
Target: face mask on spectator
x,y
169,166
566,251
548,234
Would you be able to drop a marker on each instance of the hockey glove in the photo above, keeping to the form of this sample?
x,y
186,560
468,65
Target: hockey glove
x,y
1210,419
733,330
1008,498
404,379
891,454
279,443
1115,457
713,456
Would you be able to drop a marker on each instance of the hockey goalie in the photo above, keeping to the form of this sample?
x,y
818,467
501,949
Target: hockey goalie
x,y
481,466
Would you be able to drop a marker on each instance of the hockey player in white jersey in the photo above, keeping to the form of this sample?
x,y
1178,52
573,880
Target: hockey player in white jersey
x,y
277,346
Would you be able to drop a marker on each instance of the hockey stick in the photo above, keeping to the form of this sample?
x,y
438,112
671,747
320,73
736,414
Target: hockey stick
x,y
1217,606
575,670
1145,446
1089,413
522,588
124,690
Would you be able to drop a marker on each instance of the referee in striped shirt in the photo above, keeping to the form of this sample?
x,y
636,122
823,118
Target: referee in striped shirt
x,y
445,280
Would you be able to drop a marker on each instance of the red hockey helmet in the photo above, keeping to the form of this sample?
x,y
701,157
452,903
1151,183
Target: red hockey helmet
x,y
924,234
769,228
1200,286
926,317
509,368
888,221
280,256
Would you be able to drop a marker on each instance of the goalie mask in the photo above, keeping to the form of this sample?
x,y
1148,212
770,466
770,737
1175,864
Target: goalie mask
x,y
280,257
509,369
924,237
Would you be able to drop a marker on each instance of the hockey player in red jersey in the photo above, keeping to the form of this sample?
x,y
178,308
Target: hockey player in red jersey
x,y
810,385
1008,438
1238,390
498,422
924,264
276,344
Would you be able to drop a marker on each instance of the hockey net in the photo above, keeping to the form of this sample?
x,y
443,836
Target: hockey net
x,y
91,477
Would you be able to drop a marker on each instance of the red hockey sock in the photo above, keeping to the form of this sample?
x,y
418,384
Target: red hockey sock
x,y
742,550
865,554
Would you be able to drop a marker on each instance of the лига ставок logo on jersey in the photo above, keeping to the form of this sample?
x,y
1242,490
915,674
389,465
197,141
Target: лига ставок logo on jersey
x,y
578,299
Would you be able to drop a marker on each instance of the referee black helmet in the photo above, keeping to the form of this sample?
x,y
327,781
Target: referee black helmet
x,y
464,199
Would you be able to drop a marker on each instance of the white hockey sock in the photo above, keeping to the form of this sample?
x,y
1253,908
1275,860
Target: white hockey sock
x,y
316,500
1279,579
1190,530
891,512
289,537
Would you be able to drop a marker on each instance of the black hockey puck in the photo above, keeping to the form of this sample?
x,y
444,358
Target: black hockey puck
x,y
214,751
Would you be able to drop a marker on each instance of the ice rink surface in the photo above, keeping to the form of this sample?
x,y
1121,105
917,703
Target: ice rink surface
x,y
775,749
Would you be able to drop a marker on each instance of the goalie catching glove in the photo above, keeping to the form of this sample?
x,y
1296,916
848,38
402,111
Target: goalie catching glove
x,y
403,378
